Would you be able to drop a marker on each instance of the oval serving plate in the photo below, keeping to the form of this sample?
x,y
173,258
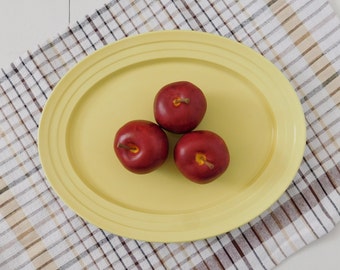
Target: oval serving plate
x,y
250,104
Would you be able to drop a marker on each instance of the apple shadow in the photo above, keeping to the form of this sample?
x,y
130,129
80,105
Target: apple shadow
x,y
169,166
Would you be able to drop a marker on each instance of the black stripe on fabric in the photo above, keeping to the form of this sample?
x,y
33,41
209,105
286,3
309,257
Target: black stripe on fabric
x,y
4,189
231,31
311,209
239,249
18,153
216,258
253,248
87,38
165,8
261,241
20,98
32,76
108,240
311,170
180,13
96,30
193,244
245,29
144,255
218,238
73,30
54,70
264,226
313,77
129,252
100,15
209,19
155,251
20,179
31,56
193,15
118,24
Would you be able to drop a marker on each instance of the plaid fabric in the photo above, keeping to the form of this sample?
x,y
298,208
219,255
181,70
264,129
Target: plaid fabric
x,y
302,38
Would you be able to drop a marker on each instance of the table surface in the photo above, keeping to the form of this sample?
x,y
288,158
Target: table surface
x,y
25,24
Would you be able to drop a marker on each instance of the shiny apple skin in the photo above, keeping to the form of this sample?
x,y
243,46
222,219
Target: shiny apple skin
x,y
208,143
151,141
182,118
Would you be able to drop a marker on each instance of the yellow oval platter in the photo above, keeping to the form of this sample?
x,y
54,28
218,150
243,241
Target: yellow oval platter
x,y
251,105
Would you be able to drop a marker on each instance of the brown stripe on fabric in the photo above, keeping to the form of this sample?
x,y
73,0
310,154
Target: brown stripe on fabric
x,y
262,231
319,183
19,209
295,23
79,258
65,237
290,217
282,10
307,44
212,262
279,218
305,202
26,235
320,103
237,242
209,263
213,259
255,240
246,246
20,223
205,245
228,254
224,257
252,243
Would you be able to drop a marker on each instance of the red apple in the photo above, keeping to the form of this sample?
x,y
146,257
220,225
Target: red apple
x,y
201,156
141,146
179,107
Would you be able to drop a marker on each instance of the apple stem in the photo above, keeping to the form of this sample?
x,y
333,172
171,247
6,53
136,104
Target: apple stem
x,y
178,101
130,147
209,164
201,159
